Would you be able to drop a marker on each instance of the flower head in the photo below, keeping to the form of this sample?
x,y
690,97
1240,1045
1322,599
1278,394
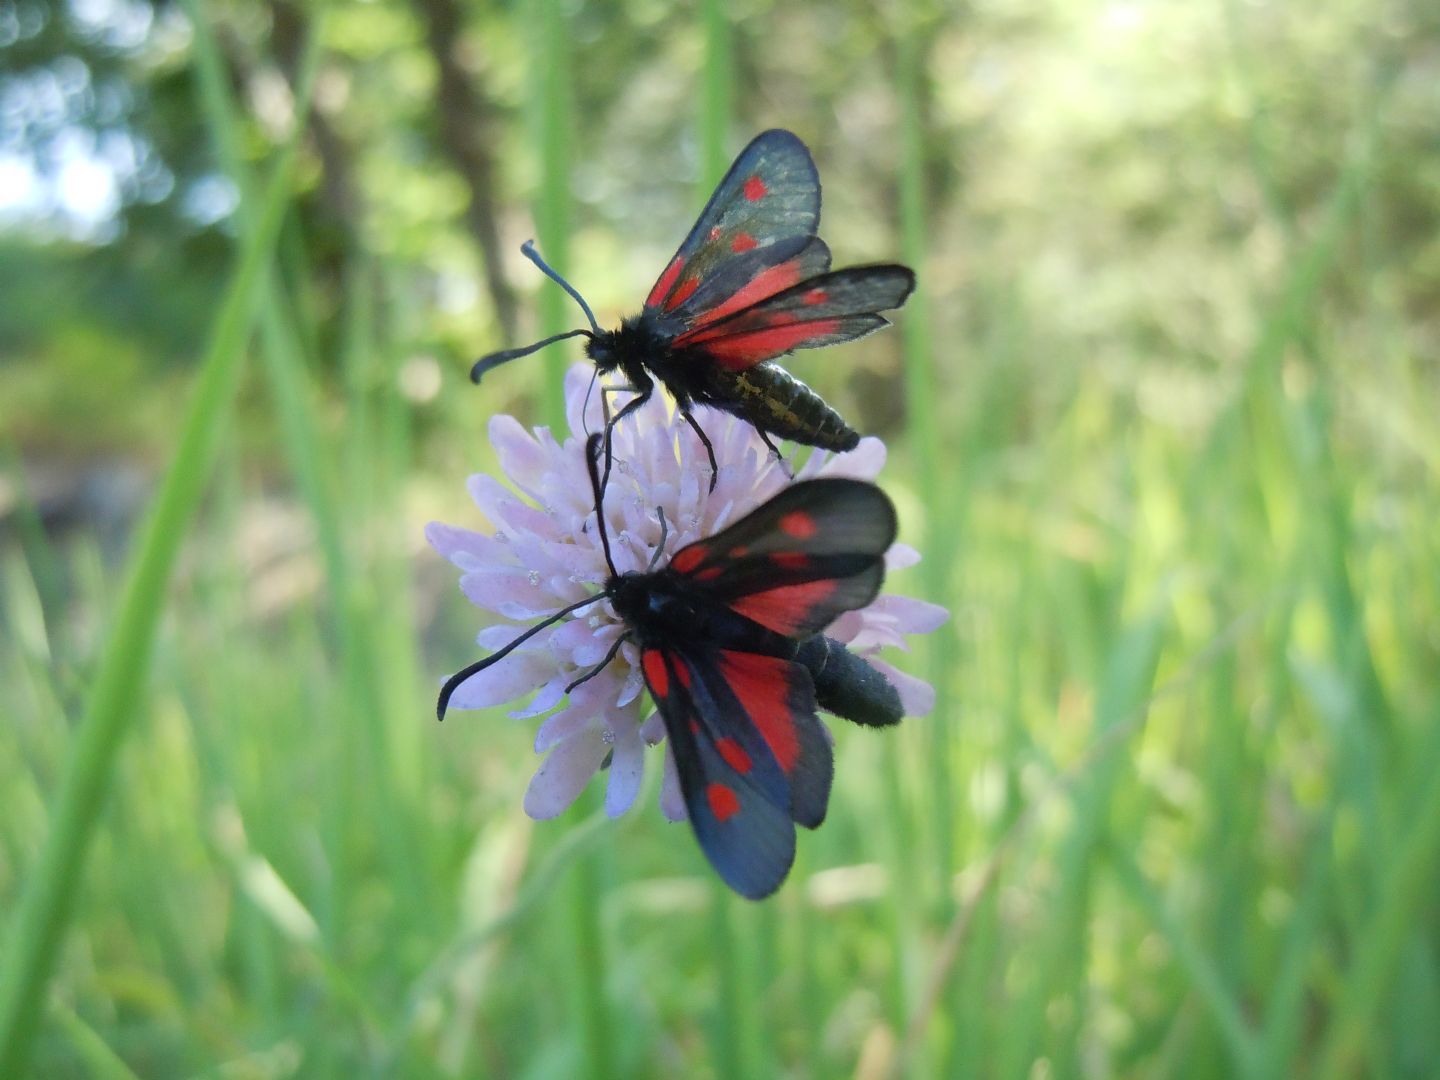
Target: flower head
x,y
543,556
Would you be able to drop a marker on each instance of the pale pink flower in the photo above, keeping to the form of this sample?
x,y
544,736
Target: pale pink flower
x,y
541,557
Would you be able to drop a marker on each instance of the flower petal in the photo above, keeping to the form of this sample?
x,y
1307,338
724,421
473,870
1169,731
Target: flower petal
x,y
564,774
548,697
672,800
577,382
627,767
511,591
877,634
584,641
467,549
911,616
521,455
862,463
517,674
900,556
631,688
498,635
653,729
562,725
846,627
506,510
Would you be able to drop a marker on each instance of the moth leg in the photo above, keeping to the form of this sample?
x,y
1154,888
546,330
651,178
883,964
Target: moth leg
x,y
605,392
779,457
704,439
629,407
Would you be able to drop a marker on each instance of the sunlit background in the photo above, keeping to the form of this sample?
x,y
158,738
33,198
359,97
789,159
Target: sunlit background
x,y
1161,419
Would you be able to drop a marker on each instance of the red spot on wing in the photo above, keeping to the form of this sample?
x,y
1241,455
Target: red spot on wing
x,y
739,551
666,283
682,672
724,803
734,755
762,685
682,293
742,242
740,351
790,560
755,189
764,284
786,609
798,524
816,296
656,674
714,232
710,573
689,558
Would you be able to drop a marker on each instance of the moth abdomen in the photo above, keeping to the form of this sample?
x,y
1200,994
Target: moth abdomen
x,y
847,686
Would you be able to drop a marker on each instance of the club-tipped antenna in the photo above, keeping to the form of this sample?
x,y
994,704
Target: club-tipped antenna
x,y
592,456
453,683
528,250
490,361
493,360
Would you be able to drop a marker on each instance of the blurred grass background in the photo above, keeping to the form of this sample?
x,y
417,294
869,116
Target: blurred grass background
x,y
1161,419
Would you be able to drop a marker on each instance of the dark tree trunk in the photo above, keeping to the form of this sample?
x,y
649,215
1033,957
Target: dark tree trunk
x,y
465,118
340,202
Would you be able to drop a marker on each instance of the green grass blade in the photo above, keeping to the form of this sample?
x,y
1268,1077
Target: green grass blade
x,y
1406,887
1204,976
1284,1011
553,126
732,1019
101,1061
920,409
716,94
554,132
46,900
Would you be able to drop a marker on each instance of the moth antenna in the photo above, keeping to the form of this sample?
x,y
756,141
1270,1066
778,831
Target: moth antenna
x,y
491,361
592,455
528,250
452,683
601,665
660,547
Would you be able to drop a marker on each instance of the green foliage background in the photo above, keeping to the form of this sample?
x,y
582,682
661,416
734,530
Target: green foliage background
x,y
1161,421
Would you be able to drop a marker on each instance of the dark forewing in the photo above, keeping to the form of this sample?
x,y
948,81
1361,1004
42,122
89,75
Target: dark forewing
x,y
748,838
823,310
797,562
771,193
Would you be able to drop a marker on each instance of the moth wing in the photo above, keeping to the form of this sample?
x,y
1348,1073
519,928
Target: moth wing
x,y
801,559
770,194
748,837
827,309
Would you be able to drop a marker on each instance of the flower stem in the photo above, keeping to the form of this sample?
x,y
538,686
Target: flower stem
x,y
920,394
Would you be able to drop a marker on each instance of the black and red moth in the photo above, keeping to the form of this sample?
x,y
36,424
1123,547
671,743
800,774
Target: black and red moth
x,y
750,283
731,649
